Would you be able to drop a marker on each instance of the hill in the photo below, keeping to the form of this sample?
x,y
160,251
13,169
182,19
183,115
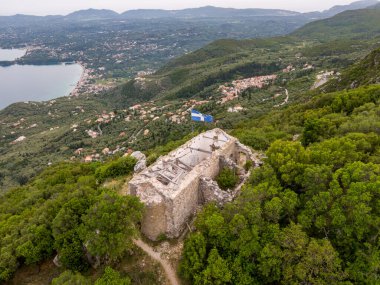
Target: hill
x,y
91,14
352,6
362,23
365,72
207,12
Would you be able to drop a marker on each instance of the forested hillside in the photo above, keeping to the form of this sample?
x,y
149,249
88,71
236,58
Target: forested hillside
x,y
365,72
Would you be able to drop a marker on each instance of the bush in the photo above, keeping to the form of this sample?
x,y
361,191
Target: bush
x,y
227,179
112,277
119,167
248,165
70,278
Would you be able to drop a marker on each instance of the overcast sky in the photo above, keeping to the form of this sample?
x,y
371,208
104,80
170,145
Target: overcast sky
x,y
44,7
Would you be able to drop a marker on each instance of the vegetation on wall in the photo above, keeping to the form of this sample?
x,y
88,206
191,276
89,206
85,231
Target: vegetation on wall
x,y
227,178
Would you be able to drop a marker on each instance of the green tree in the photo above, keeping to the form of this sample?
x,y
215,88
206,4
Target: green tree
x,y
70,278
110,224
70,251
217,271
194,256
39,245
121,166
112,277
319,265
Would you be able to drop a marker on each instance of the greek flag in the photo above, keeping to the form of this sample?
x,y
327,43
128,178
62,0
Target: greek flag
x,y
199,117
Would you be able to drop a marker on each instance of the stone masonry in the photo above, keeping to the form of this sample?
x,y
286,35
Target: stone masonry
x,y
175,185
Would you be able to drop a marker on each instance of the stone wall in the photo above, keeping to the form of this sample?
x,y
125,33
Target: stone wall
x,y
183,206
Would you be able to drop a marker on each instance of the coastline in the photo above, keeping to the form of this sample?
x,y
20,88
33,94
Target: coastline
x,y
82,80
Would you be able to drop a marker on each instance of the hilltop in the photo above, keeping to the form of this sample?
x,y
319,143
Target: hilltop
x,y
91,14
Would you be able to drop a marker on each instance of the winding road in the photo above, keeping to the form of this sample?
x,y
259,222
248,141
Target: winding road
x,y
285,101
169,271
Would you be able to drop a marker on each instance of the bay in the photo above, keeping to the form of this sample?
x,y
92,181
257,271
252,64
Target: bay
x,y
11,54
19,83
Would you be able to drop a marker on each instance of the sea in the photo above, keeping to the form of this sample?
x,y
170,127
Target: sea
x,y
21,83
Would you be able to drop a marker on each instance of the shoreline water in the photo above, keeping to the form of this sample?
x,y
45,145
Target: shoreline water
x,y
11,54
83,85
20,83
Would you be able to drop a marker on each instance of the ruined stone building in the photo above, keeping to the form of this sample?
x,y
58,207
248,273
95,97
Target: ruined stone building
x,y
174,186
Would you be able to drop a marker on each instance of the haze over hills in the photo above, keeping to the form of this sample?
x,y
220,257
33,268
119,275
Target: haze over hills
x,y
209,11
202,12
92,14
353,6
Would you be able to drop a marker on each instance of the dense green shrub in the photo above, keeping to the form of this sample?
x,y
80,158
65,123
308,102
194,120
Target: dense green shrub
x,y
71,278
227,178
119,167
112,277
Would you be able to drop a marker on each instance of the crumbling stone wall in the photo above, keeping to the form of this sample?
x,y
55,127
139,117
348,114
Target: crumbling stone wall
x,y
209,191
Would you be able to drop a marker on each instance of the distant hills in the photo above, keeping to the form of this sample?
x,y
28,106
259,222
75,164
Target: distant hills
x,y
207,12
364,23
202,12
353,6
92,14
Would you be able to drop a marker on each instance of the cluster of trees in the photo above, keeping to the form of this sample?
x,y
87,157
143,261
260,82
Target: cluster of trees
x,y
311,214
66,211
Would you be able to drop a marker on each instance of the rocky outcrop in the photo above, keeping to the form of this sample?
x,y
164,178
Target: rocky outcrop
x,y
141,161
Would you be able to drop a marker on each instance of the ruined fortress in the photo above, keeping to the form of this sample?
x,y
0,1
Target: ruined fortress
x,y
174,186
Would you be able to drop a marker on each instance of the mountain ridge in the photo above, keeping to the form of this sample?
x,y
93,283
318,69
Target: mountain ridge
x,y
199,12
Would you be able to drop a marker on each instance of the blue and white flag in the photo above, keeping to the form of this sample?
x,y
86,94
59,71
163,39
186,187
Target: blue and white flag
x,y
199,117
